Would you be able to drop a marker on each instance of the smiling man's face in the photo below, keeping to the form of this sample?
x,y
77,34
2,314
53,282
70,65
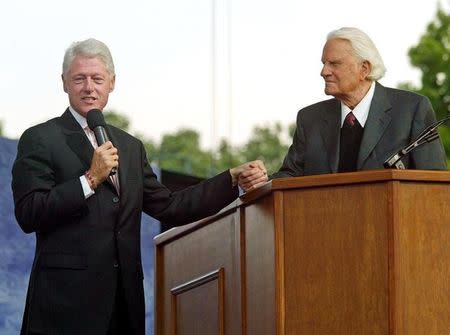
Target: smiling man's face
x,y
88,84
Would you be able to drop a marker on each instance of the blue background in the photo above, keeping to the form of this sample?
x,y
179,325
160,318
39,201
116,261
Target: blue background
x,y
17,252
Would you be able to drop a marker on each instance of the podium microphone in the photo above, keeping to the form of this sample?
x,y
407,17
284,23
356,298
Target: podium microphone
x,y
429,134
97,124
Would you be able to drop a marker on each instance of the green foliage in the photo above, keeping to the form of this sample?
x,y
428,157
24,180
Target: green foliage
x,y
265,144
1,128
225,158
151,148
121,121
291,129
181,152
432,56
116,119
444,133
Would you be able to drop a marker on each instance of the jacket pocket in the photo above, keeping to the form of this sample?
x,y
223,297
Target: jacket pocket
x,y
62,261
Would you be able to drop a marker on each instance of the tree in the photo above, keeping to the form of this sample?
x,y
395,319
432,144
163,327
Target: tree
x,y
226,157
291,130
121,121
432,56
181,152
1,128
151,148
116,119
266,144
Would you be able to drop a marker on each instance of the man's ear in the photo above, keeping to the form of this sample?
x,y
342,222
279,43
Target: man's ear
x,y
64,83
366,69
112,84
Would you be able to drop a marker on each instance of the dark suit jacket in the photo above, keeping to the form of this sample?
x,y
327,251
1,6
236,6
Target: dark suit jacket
x,y
396,118
73,279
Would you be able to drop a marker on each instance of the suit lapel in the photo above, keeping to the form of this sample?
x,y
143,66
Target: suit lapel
x,y
330,131
78,141
376,124
76,138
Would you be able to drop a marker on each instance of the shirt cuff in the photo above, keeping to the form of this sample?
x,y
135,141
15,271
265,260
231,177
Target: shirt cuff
x,y
87,190
241,191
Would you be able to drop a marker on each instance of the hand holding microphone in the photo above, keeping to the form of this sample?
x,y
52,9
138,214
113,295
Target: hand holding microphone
x,y
105,159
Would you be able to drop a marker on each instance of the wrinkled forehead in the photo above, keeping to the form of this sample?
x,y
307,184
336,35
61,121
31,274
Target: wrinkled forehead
x,y
90,64
337,48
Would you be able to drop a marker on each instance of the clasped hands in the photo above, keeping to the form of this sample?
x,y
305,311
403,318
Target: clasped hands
x,y
249,175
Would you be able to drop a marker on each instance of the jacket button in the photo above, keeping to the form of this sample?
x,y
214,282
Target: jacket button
x,y
115,200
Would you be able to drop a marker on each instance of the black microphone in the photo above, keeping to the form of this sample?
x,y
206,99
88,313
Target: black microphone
x,y
429,134
97,124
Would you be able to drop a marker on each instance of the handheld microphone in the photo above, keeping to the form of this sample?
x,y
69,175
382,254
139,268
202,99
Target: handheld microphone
x,y
97,124
429,134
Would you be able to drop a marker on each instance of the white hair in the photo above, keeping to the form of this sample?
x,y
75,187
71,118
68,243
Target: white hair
x,y
363,48
91,48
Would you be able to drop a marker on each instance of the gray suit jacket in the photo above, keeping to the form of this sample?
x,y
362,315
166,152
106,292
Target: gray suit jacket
x,y
396,118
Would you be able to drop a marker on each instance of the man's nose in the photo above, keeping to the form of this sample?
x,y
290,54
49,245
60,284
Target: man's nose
x,y
88,85
325,71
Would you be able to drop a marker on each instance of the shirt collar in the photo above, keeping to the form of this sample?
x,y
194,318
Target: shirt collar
x,y
79,118
361,110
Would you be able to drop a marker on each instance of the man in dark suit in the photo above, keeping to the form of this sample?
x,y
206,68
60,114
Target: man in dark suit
x,y
365,123
87,273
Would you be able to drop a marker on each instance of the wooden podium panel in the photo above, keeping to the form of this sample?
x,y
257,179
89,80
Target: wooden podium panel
x,y
352,253
202,300
421,262
336,265
258,256
197,267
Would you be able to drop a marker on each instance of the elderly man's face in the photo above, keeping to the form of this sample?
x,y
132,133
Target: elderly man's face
x,y
88,84
342,71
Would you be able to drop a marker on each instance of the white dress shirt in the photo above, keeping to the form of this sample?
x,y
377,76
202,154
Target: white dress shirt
x,y
361,110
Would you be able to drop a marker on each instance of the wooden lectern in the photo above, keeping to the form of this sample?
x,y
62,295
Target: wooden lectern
x,y
339,254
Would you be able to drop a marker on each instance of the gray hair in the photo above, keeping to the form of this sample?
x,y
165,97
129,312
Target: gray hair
x,y
363,48
90,48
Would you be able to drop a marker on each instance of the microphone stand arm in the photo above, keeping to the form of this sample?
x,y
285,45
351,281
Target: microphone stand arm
x,y
429,134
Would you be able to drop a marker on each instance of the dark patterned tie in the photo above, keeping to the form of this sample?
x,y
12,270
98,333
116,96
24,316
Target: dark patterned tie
x,y
350,119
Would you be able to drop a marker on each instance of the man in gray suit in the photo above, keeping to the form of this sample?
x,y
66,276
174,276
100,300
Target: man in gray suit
x,y
365,123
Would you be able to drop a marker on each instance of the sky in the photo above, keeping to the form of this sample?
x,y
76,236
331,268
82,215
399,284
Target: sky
x,y
219,67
